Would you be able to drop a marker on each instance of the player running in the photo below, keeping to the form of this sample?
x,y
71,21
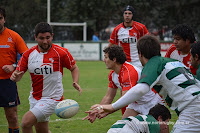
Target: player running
x,y
45,63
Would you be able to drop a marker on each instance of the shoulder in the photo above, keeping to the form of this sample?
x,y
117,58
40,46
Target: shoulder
x,y
59,48
138,24
157,60
119,26
154,64
170,50
129,67
110,73
30,49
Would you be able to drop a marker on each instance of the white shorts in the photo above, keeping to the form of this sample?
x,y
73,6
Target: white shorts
x,y
189,119
43,108
144,108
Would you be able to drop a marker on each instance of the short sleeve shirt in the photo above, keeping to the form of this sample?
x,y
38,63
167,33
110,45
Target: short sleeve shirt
x,y
46,70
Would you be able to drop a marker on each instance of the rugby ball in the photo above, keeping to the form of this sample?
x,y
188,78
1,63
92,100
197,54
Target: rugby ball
x,y
67,108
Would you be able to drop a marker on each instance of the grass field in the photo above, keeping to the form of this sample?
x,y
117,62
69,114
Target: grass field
x,y
94,83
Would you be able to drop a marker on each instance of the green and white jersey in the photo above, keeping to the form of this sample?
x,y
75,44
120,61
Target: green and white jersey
x,y
198,73
172,80
138,124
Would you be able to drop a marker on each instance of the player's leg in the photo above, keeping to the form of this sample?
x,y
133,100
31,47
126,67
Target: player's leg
x,y
9,99
42,127
11,116
42,110
28,121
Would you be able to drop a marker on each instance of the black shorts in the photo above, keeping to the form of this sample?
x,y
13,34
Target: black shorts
x,y
8,93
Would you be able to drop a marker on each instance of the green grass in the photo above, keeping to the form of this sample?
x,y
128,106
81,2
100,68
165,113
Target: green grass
x,y
93,81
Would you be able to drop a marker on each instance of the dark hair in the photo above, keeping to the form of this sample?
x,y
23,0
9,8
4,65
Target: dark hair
x,y
43,27
148,46
3,12
160,110
117,52
184,31
195,49
129,8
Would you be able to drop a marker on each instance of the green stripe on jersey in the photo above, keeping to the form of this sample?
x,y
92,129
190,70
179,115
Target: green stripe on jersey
x,y
139,118
129,119
168,101
186,84
118,126
157,88
195,93
173,73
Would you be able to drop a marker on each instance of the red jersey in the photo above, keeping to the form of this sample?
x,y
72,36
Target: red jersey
x,y
127,38
173,53
46,70
10,43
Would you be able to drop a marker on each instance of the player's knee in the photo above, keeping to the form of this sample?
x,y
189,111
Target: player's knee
x,y
26,124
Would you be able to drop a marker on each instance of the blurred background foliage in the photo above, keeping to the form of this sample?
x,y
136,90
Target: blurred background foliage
x,y
159,16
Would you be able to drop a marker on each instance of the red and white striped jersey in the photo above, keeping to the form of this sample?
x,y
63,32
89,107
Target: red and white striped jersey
x,y
173,53
127,78
127,38
46,70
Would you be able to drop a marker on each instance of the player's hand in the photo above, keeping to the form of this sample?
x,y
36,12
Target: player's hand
x,y
103,108
16,75
102,115
91,116
77,87
8,68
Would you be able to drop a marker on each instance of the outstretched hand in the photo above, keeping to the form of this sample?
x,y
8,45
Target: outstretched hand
x,y
77,87
91,116
16,75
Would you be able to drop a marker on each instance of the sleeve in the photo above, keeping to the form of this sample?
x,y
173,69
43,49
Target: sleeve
x,y
114,38
129,79
151,72
145,31
169,51
20,44
22,65
68,61
111,83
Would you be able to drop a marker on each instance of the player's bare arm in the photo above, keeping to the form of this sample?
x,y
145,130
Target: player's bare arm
x,y
110,95
16,75
75,77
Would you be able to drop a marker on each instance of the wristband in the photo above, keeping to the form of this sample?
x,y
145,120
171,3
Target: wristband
x,y
14,65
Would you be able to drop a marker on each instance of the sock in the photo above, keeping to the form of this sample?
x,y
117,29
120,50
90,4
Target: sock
x,y
13,129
